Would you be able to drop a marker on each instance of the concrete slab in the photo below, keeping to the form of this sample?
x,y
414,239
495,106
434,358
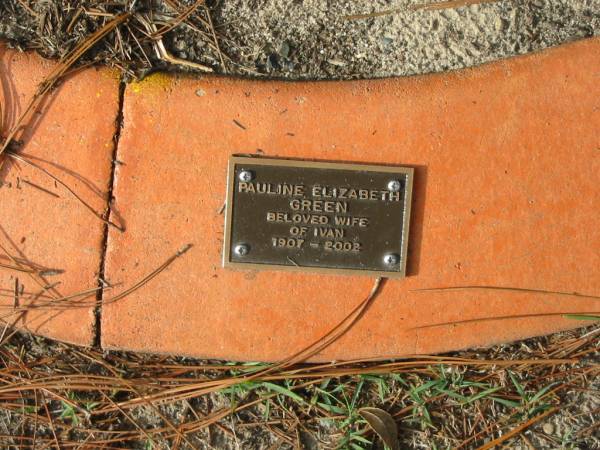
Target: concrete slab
x,y
506,193
71,137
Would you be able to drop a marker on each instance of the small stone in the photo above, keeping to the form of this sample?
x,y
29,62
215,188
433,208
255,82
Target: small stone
x,y
500,24
385,41
336,62
179,45
548,428
273,61
200,92
585,409
284,50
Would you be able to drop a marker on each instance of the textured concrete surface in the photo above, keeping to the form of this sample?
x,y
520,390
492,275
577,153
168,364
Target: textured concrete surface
x,y
315,39
311,39
506,194
71,136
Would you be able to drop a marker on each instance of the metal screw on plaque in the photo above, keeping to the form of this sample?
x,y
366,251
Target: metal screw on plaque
x,y
394,186
241,249
245,175
391,259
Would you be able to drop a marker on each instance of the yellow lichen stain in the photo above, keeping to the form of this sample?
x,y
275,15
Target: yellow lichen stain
x,y
111,73
152,84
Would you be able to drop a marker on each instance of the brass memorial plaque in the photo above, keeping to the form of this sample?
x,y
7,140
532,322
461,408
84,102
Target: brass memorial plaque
x,y
313,216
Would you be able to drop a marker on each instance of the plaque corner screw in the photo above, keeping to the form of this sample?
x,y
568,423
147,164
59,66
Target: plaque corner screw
x,y
394,185
245,175
241,249
391,259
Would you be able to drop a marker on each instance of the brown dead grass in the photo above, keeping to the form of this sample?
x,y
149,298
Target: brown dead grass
x,y
60,395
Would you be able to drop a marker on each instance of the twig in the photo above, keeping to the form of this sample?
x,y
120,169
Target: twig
x,y
28,8
451,4
211,27
150,276
513,316
178,20
63,303
508,289
164,54
18,268
423,6
66,186
33,185
55,75
517,430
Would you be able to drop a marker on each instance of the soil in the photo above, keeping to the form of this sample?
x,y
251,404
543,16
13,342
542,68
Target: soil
x,y
299,425
313,39
309,39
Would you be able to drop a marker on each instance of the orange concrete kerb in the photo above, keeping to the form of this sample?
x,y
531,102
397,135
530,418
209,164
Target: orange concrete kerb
x,y
506,193
42,223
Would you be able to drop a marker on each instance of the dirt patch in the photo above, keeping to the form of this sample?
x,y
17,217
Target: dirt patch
x,y
60,395
314,39
311,39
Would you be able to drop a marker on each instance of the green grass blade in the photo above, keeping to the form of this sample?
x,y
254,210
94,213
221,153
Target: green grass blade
x,y
283,391
505,402
332,408
541,393
481,395
581,317
517,385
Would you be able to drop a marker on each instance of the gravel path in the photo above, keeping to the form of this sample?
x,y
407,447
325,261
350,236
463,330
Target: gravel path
x,y
308,39
314,38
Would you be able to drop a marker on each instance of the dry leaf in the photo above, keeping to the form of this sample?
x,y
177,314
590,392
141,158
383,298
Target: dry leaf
x,y
383,424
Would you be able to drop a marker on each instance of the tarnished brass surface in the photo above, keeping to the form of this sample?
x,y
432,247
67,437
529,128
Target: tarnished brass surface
x,y
314,216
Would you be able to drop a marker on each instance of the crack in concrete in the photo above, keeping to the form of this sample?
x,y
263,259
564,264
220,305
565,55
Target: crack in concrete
x,y
119,123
